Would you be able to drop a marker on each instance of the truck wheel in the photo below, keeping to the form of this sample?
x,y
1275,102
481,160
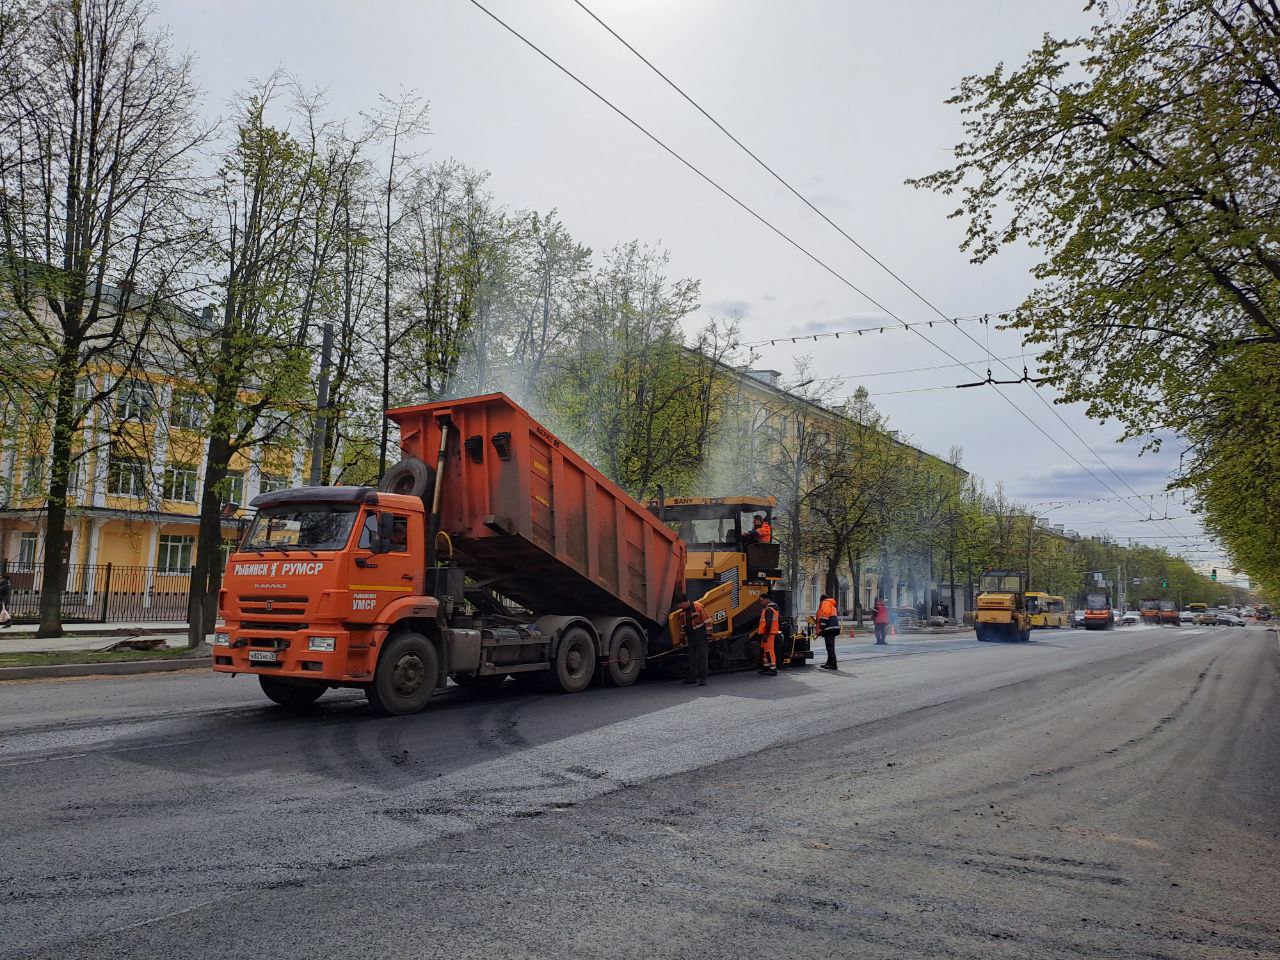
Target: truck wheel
x,y
981,633
291,694
410,477
575,661
405,677
626,657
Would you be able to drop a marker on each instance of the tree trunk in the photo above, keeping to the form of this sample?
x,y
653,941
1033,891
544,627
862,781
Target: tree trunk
x,y
53,569
206,577
832,582
951,583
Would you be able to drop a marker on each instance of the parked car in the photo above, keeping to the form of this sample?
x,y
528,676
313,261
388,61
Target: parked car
x,y
1077,618
1206,619
1186,616
1229,620
1131,616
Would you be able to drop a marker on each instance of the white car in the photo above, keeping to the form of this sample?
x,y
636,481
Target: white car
x,y
1186,616
1131,616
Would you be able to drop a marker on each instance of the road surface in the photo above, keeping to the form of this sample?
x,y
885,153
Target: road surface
x,y
1110,794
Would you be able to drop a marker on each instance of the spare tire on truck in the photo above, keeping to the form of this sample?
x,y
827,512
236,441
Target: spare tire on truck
x,y
410,477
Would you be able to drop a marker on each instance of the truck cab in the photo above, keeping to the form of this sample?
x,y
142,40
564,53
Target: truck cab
x,y
318,580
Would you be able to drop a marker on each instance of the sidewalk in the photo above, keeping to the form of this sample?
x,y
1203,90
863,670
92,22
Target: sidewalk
x,y
21,638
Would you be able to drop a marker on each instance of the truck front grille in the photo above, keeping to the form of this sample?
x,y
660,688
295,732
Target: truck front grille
x,y
271,625
274,606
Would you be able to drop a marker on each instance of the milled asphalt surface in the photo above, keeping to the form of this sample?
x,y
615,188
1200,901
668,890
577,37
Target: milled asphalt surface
x,y
1111,794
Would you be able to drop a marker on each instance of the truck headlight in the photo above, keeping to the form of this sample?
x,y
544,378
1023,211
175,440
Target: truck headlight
x,y
322,644
221,639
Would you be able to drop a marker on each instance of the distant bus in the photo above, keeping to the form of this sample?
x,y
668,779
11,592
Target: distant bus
x,y
1046,610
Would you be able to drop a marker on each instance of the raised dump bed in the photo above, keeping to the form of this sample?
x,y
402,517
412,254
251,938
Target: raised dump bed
x,y
534,521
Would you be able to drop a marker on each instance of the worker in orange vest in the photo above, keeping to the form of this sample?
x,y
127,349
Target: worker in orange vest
x,y
768,630
829,623
760,532
694,622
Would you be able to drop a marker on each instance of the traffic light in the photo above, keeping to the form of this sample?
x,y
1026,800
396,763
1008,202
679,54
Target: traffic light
x,y
1213,574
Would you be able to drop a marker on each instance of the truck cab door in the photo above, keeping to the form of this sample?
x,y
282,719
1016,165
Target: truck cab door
x,y
386,564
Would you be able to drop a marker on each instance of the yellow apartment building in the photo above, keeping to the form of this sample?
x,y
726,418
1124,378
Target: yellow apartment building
x,y
135,485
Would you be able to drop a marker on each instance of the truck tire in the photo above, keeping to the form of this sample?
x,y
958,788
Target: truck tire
x,y
405,677
982,633
575,663
410,477
290,693
626,656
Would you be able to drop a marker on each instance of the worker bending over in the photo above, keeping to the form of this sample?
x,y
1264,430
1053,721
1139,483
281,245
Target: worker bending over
x,y
761,531
768,631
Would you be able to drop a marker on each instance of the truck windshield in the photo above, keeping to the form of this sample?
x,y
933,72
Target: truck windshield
x,y
705,533
1096,601
998,583
311,526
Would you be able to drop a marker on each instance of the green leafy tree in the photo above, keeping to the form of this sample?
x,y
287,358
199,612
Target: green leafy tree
x,y
1141,160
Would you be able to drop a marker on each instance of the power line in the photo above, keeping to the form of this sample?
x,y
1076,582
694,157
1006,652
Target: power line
x,y
894,393
859,331
839,229
796,244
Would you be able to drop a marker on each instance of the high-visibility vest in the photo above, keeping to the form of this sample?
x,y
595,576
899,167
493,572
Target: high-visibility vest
x,y
765,530
769,621
694,616
826,610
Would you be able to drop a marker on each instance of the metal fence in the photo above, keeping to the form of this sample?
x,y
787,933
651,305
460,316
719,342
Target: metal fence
x,y
103,593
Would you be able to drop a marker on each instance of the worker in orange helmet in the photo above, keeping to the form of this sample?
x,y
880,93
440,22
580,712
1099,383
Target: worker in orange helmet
x,y
761,531
769,628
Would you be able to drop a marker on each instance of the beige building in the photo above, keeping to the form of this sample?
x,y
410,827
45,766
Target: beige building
x,y
761,406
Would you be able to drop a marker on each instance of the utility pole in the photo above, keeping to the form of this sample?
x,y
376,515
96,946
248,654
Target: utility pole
x,y
321,427
1031,532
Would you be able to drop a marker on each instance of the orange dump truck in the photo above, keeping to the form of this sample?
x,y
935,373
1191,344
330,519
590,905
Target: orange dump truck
x,y
491,549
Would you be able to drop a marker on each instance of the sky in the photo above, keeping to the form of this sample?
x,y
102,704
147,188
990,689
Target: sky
x,y
844,98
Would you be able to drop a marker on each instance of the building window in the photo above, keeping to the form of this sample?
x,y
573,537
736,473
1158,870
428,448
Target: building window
x,y
180,482
27,551
175,554
188,412
134,401
33,476
74,473
273,481
225,549
234,487
126,476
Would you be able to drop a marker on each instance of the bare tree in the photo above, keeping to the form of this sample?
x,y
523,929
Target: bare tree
x,y
95,178
274,209
395,123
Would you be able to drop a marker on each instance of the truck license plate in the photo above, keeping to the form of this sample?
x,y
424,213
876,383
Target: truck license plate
x,y
263,656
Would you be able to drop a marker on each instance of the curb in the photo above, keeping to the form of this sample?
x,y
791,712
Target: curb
x,y
107,632
117,669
